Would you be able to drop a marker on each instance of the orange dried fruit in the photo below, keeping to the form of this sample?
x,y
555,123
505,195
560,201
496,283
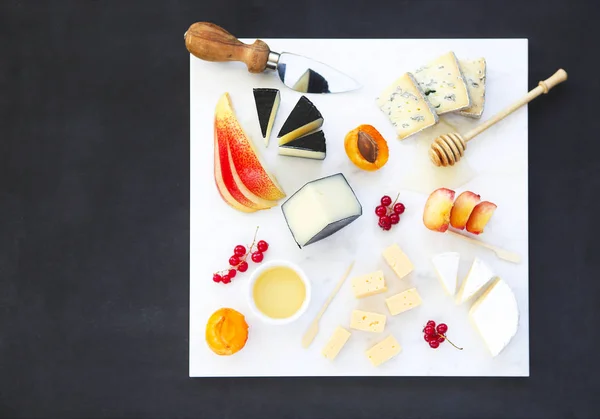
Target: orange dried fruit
x,y
366,148
226,331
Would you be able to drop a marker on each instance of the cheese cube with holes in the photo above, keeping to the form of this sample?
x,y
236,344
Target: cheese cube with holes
x,y
384,351
336,343
404,301
398,261
367,322
369,284
321,208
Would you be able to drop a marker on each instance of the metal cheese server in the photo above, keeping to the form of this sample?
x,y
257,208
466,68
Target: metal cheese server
x,y
210,42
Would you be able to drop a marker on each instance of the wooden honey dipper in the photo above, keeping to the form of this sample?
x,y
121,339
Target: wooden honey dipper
x,y
447,149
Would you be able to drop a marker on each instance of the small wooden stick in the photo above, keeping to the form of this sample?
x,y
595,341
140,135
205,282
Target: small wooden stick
x,y
501,253
313,329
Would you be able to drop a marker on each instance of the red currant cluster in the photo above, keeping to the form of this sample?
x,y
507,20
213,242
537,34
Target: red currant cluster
x,y
436,335
238,262
388,213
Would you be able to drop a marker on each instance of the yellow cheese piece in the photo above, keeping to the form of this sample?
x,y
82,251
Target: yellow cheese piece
x,y
336,343
367,322
404,301
370,284
384,351
398,261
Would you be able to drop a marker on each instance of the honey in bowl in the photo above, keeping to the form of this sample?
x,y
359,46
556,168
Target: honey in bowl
x,y
279,292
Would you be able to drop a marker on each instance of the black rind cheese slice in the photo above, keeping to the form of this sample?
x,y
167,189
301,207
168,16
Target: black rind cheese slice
x,y
267,103
304,118
311,146
311,82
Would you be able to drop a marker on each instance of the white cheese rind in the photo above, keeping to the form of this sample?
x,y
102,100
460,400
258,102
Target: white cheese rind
x,y
405,105
336,343
367,321
446,269
495,315
321,208
404,301
443,84
474,72
369,284
398,261
384,351
478,277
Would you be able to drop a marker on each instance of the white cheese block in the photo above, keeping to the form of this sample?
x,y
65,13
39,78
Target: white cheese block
x,y
336,343
446,268
406,107
474,74
321,208
367,321
398,261
478,277
369,284
404,301
443,84
495,315
384,351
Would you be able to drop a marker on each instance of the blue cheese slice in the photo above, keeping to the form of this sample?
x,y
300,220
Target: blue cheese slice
x,y
474,74
406,107
443,84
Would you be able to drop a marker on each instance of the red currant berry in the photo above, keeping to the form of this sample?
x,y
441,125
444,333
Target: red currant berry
x,y
387,227
440,339
257,257
386,201
431,323
394,218
434,344
232,273
429,330
442,328
381,210
217,278
427,338
234,260
226,279
262,246
243,266
385,220
239,250
399,208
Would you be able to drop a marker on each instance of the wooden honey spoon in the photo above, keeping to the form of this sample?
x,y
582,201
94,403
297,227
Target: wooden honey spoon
x,y
447,149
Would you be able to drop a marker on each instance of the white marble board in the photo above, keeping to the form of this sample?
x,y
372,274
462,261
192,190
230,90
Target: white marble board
x,y
495,167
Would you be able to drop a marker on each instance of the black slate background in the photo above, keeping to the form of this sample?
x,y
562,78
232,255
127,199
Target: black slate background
x,y
94,212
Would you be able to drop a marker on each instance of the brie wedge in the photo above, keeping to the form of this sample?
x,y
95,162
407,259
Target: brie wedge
x,y
495,315
478,277
446,268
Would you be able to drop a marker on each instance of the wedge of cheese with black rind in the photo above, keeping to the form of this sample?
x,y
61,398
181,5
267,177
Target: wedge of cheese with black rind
x,y
310,146
474,72
495,315
311,82
446,269
443,84
267,104
478,277
304,118
321,208
404,103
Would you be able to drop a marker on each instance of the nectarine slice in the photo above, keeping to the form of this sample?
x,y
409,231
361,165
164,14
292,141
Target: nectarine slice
x,y
436,215
480,216
226,331
463,206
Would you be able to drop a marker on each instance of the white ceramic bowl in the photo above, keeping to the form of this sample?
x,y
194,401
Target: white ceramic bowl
x,y
272,264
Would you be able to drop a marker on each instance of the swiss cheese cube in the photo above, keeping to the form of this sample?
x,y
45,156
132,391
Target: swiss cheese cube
x,y
443,84
384,351
398,261
404,301
369,284
474,74
367,322
336,343
405,105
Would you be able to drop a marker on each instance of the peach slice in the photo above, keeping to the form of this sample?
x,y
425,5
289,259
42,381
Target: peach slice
x,y
480,216
244,156
436,215
463,206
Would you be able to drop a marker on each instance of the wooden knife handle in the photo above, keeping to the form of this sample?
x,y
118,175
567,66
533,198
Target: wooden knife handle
x,y
211,42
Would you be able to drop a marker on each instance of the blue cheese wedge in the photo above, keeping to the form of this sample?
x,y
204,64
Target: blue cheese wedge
x,y
474,74
406,107
444,85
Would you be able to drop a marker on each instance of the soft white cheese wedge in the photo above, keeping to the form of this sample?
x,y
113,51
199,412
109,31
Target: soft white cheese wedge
x,y
495,315
478,277
446,268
